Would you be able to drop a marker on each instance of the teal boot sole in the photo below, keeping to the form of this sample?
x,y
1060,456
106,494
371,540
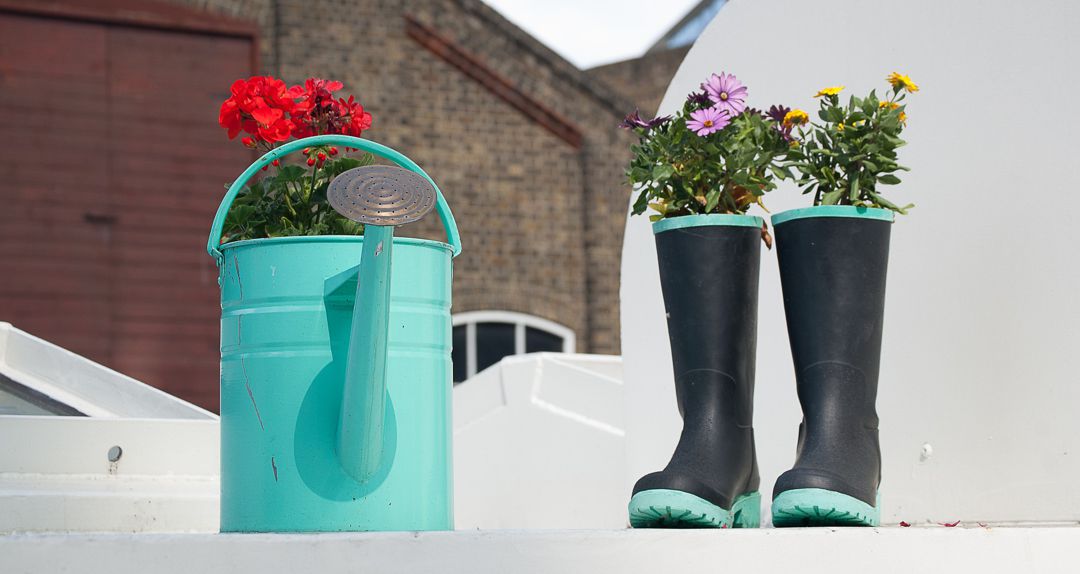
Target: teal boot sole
x,y
819,507
659,508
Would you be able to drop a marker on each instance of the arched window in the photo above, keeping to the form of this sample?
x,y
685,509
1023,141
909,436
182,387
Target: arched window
x,y
483,338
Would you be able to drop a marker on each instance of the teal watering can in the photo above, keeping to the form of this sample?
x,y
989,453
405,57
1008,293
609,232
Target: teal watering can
x,y
335,365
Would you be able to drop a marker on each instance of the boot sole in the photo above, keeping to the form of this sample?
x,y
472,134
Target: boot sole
x,y
820,507
661,508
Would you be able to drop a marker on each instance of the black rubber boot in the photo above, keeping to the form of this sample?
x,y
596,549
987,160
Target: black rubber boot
x,y
709,276
833,274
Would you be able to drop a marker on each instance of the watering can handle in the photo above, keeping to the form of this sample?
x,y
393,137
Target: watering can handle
x,y
213,244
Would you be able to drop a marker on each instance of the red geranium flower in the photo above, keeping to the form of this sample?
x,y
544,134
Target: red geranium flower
x,y
356,120
268,110
260,106
319,113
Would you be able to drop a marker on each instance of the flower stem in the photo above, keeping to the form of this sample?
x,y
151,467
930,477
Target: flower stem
x,y
288,201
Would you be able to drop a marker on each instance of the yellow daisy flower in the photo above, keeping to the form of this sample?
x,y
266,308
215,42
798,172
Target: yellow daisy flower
x,y
901,82
892,106
796,118
830,91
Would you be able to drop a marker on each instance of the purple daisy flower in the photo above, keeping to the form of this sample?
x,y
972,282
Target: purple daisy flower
x,y
634,121
777,113
707,121
727,92
699,99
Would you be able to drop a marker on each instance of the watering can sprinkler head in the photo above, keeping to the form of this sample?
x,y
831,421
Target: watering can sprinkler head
x,y
381,197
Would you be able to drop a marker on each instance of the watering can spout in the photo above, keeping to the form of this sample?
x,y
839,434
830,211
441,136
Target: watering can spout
x,y
363,402
380,197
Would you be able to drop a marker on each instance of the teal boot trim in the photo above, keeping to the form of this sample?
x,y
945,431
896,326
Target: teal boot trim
x,y
661,508
820,507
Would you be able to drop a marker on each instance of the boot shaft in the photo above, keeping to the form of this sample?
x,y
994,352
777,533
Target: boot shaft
x,y
832,271
709,277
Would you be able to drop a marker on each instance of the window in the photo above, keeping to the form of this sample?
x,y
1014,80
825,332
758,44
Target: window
x,y
483,338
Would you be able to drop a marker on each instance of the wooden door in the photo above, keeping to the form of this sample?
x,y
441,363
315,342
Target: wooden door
x,y
55,209
111,167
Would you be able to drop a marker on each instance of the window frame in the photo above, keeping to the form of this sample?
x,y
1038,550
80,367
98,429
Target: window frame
x,y
520,321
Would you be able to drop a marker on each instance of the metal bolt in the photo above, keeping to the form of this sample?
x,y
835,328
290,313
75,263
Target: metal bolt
x,y
115,453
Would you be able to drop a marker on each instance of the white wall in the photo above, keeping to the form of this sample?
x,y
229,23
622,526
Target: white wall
x,y
980,356
539,443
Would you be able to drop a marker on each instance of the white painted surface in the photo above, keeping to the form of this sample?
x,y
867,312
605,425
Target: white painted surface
x,y
538,443
55,474
979,388
90,387
55,471
901,550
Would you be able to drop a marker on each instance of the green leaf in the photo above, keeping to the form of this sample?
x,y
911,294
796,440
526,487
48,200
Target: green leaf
x,y
662,172
832,197
638,174
888,179
882,202
290,173
870,105
641,203
341,165
711,199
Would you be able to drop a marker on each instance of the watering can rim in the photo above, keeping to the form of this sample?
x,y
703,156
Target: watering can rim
x,y
333,239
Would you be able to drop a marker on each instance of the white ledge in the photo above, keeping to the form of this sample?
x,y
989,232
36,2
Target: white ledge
x,y
1044,549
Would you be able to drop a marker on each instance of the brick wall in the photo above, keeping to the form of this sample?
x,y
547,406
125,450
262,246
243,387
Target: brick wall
x,y
541,214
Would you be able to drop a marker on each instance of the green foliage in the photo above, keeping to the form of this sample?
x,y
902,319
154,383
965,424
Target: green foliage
x,y
292,201
844,159
681,173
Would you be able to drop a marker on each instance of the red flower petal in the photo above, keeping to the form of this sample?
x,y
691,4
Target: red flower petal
x,y
266,116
